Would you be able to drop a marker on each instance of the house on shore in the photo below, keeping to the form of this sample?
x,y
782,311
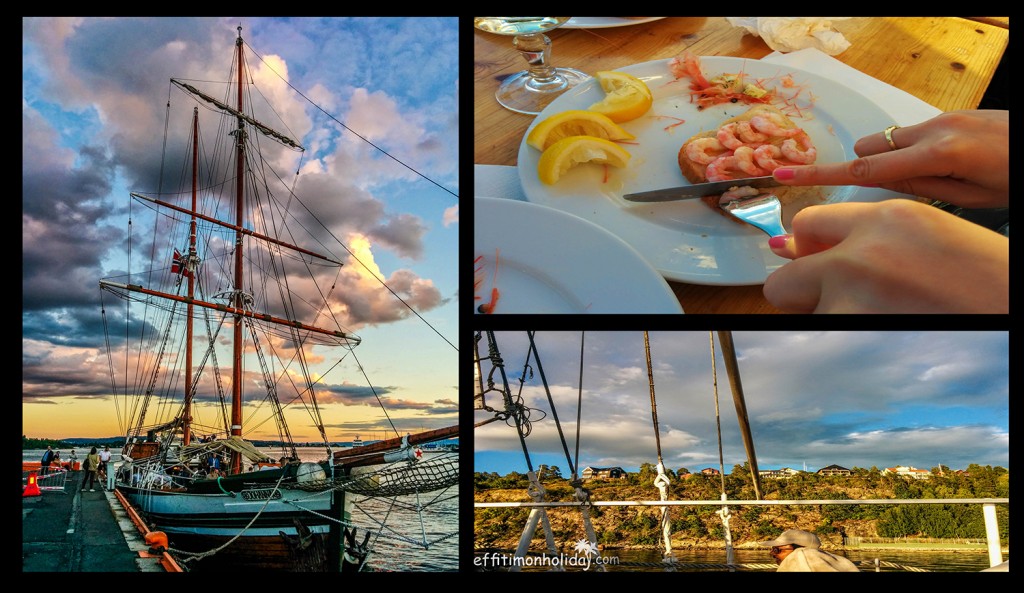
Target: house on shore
x,y
834,470
603,473
905,470
786,472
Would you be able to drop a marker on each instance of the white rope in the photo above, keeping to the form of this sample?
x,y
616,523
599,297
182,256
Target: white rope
x,y
662,482
192,557
536,492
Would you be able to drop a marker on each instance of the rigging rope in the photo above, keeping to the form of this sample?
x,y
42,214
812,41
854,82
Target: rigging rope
x,y
297,91
724,511
581,494
579,407
661,481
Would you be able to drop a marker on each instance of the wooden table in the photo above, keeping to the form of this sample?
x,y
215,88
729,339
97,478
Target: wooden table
x,y
945,61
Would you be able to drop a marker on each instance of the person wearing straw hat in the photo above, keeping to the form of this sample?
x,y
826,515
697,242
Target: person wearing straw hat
x,y
798,551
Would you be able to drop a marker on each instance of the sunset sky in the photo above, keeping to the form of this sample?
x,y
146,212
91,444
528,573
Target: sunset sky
x,y
813,399
94,98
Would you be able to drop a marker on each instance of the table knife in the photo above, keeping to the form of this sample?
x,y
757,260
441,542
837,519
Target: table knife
x,y
699,190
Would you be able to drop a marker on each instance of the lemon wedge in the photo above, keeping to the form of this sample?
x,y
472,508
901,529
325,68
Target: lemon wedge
x,y
573,150
627,97
575,123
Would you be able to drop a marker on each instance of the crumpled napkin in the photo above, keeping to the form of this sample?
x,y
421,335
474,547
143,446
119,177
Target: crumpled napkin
x,y
791,33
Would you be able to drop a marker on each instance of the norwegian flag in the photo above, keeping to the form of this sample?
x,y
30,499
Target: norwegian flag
x,y
179,266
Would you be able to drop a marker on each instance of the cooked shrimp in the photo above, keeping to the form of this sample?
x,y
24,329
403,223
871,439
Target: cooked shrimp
x,y
767,156
718,170
727,136
800,149
736,193
771,124
748,134
745,162
704,150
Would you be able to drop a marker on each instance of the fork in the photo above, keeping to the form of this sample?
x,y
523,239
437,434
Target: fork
x,y
763,211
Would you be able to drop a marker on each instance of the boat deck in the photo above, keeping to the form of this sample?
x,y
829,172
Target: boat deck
x,y
75,531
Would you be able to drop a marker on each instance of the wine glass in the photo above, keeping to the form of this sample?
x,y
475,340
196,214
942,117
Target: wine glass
x,y
529,91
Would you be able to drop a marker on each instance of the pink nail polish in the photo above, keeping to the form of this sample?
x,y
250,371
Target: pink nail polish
x,y
778,242
784,174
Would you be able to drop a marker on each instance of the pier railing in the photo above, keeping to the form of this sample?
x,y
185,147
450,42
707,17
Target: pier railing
x,y
988,505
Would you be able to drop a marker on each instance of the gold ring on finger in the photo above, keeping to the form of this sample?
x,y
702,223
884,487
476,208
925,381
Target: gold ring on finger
x,y
888,137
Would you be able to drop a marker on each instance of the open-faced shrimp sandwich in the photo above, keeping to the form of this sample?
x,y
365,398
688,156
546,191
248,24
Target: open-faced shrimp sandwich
x,y
752,144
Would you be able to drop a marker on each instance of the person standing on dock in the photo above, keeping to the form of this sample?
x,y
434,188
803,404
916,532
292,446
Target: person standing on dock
x,y
797,551
104,459
72,460
44,464
92,465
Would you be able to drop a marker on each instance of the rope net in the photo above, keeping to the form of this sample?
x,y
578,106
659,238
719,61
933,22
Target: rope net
x,y
398,479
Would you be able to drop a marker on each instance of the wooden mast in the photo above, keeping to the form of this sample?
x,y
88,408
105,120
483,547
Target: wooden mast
x,y
186,436
733,370
236,371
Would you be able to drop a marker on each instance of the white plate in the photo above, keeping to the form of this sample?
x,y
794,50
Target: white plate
x,y
687,241
553,262
599,22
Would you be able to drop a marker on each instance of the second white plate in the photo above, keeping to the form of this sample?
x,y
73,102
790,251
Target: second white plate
x,y
543,260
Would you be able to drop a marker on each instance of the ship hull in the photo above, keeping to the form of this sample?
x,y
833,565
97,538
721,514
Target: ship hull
x,y
227,514
256,528
253,554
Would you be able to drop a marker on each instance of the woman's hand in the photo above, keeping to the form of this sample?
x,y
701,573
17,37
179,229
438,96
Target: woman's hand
x,y
896,256
960,157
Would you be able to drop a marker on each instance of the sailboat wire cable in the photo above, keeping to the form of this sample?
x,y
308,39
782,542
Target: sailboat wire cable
x,y
718,418
370,385
367,268
579,409
654,404
661,481
723,512
554,414
514,409
284,291
384,284
386,153
351,254
191,556
110,363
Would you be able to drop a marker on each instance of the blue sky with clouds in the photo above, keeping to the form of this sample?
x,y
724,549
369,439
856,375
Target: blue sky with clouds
x,y
373,100
851,398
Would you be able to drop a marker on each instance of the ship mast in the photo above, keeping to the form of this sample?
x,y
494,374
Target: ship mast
x,y
186,436
236,371
239,305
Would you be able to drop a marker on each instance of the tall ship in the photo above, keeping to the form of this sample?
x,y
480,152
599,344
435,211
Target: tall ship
x,y
222,330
